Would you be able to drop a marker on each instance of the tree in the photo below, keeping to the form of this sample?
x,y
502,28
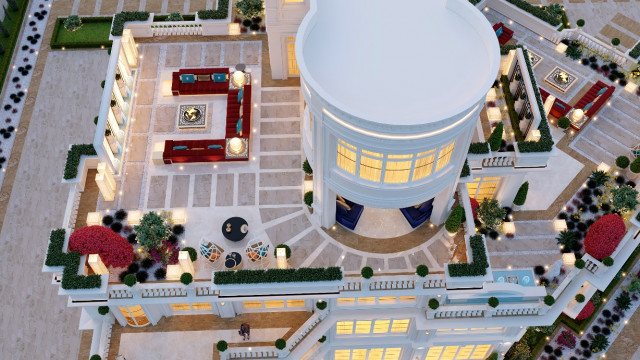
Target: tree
x,y
72,23
624,198
521,196
490,213
152,230
455,219
495,139
250,8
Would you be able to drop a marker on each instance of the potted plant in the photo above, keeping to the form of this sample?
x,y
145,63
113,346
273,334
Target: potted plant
x,y
635,168
521,196
222,346
622,162
366,272
308,171
308,200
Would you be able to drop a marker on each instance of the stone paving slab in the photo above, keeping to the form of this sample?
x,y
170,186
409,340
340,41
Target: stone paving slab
x,y
180,191
269,214
279,111
397,263
212,54
130,198
283,232
202,191
86,7
281,179
247,189
280,197
130,5
593,152
352,262
329,256
193,55
280,96
522,244
157,192
280,162
149,67
610,32
600,139
232,54
418,258
173,57
197,5
627,23
145,92
280,144
280,128
620,132
251,54
165,119
377,264
175,6
305,246
154,6
523,261
137,148
224,190
141,120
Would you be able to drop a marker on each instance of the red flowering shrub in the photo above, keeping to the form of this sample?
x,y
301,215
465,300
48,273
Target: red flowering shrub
x,y
114,250
604,236
166,253
474,206
587,310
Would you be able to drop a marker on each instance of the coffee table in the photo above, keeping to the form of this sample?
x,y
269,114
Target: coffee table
x,y
232,228
233,260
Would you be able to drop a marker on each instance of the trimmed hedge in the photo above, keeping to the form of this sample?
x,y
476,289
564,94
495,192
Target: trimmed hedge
x,y
513,115
466,170
193,254
55,43
278,275
71,263
495,139
521,196
635,52
453,222
73,159
478,267
120,18
538,12
220,13
479,148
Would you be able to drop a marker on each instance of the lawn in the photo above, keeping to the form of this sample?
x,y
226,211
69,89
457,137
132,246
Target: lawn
x,y
94,33
12,24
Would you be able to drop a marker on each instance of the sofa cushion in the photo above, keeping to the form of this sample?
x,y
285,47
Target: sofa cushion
x,y
559,105
425,206
203,77
239,127
219,77
214,147
586,107
341,210
344,204
187,78
180,147
499,31
602,91
240,93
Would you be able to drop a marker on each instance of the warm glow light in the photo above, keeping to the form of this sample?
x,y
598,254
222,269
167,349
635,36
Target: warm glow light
x,y
577,116
236,145
238,78
569,259
559,225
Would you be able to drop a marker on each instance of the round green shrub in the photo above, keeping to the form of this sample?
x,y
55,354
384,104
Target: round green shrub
x,y
580,298
322,339
635,166
615,41
72,23
579,263
130,280
580,22
175,17
622,162
95,357
281,344
286,248
103,310
493,302
308,198
321,305
186,278
422,270
222,345
193,254
564,122
549,300
366,272
608,261
434,304
306,167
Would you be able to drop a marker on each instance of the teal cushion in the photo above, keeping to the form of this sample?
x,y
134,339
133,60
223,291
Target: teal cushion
x,y
559,105
499,31
214,147
239,127
180,147
219,77
586,107
601,91
240,93
187,78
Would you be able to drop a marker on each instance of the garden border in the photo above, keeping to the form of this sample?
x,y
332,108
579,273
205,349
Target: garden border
x,y
55,44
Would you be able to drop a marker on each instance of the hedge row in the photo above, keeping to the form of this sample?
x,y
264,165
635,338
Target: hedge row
x,y
635,52
538,12
73,159
513,115
277,275
120,18
478,267
479,148
59,26
220,13
71,263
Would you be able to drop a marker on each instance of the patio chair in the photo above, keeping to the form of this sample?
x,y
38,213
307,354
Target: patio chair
x,y
211,252
257,253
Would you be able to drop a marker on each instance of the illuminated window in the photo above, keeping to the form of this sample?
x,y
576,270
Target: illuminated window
x,y
375,354
295,303
274,304
370,300
434,353
344,327
201,306
483,187
346,159
134,315
291,56
359,354
449,353
381,326
253,304
465,352
363,327
346,301
400,325
368,354
387,299
480,352
397,172
424,165
392,353
445,156
293,1
181,307
342,354
370,168
407,298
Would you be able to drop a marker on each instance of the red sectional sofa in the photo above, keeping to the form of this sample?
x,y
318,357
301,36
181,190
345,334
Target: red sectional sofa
x,y
197,150
559,108
503,36
199,87
595,98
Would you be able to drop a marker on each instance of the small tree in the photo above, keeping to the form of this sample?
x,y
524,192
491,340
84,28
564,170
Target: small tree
x,y
152,230
306,167
366,272
175,17
521,196
495,139
564,122
250,8
72,23
308,198
624,198
580,22
622,162
422,270
280,344
490,213
186,278
615,41
455,219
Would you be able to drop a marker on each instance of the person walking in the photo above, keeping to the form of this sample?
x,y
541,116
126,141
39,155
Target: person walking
x,y
245,331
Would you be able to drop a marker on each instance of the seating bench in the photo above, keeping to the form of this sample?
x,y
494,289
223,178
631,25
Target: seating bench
x,y
199,87
595,98
503,33
559,108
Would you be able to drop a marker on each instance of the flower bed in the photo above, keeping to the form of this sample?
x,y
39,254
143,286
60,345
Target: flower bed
x,y
604,236
94,33
114,250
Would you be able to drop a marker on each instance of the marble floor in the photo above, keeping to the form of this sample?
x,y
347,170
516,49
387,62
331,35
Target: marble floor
x,y
382,223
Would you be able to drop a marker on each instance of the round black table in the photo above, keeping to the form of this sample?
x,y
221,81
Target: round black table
x,y
232,260
232,228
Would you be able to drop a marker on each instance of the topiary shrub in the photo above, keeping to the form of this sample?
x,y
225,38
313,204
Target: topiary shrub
x,y
280,344
186,278
580,298
142,276
152,230
455,219
116,227
222,346
580,22
493,302
95,357
624,198
422,270
579,263
250,8
635,165
564,122
175,17
321,305
146,263
366,272
286,248
622,162
608,261
549,300
130,280
306,167
308,198
521,196
114,250
490,213
587,310
434,304
495,139
107,220
177,230
72,23
615,41
604,236
103,310
193,254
